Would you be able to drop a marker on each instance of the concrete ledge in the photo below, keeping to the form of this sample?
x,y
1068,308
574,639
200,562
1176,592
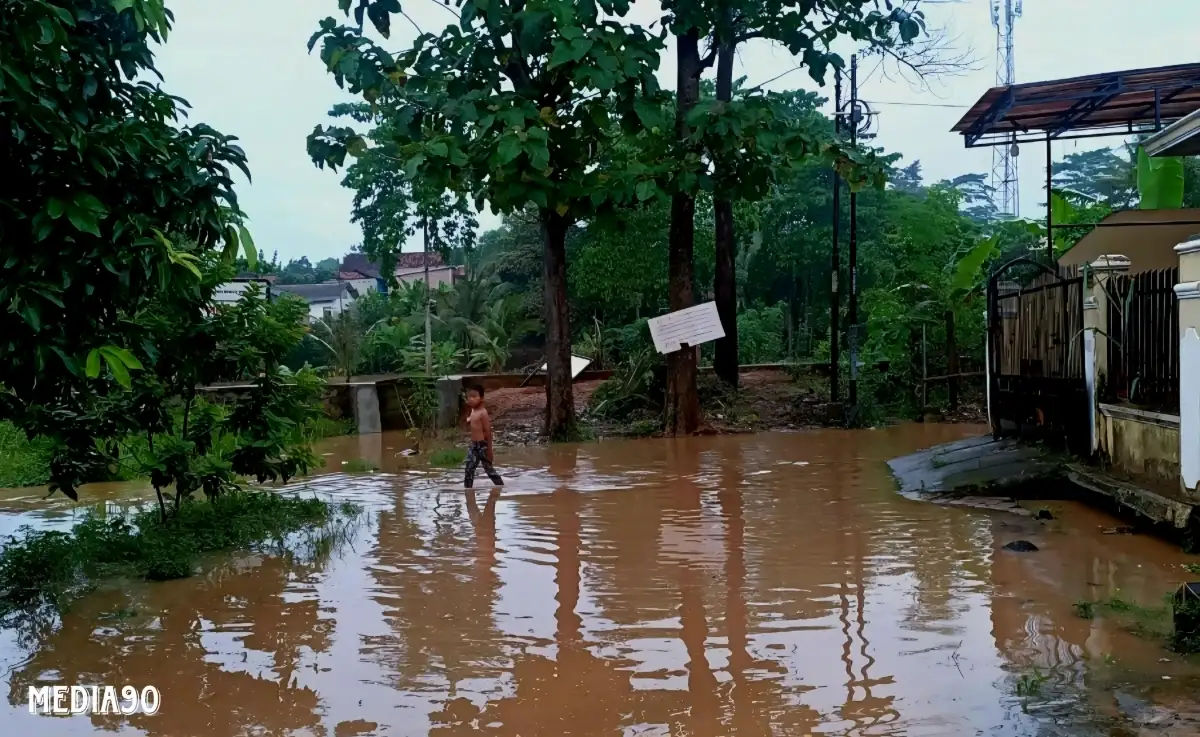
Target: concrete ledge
x,y
1132,414
993,470
1154,506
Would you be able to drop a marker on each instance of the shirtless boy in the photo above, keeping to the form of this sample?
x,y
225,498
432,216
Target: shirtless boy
x,y
479,452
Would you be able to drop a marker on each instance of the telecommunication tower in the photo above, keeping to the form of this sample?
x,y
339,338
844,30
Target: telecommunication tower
x,y
1005,184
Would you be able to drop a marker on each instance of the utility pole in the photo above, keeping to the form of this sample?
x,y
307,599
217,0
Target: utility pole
x,y
428,302
852,317
835,302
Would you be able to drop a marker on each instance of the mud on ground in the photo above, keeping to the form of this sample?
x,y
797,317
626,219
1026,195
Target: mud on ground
x,y
766,400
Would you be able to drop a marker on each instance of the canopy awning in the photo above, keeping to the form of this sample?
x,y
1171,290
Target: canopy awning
x,y
1128,102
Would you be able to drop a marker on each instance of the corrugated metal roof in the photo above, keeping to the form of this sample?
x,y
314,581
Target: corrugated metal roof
x,y
326,292
1136,100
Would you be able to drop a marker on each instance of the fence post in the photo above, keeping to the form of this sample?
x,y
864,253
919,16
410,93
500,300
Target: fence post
x,y
1096,332
1095,315
1188,292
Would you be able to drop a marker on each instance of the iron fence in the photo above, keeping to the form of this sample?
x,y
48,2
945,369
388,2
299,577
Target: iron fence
x,y
1143,345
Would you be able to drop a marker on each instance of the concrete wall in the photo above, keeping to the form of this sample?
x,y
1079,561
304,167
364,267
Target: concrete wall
x,y
1142,445
438,275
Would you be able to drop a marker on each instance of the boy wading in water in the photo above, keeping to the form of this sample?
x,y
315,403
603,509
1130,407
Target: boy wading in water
x,y
479,452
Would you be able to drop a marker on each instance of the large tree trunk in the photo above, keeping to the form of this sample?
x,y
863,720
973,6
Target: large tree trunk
x,y
560,397
725,361
683,402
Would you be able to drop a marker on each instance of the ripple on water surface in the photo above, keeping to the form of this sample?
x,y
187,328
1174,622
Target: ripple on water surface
x,y
764,584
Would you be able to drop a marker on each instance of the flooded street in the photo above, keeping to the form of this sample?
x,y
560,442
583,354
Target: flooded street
x,y
770,584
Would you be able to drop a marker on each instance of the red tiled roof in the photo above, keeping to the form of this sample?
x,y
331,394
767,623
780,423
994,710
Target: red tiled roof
x,y
416,260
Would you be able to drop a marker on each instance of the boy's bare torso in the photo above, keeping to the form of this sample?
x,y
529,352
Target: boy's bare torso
x,y
478,421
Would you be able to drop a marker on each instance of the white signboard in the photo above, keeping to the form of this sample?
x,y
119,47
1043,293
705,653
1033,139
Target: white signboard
x,y
693,326
578,364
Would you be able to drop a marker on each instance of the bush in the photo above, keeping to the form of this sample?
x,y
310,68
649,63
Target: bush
x,y
638,384
45,569
761,335
22,463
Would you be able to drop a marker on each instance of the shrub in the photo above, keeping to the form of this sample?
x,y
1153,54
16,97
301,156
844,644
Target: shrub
x,y
22,463
42,569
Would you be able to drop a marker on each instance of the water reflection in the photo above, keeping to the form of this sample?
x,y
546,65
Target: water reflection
x,y
759,585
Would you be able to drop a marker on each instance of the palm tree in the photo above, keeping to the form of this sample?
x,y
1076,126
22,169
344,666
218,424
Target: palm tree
x,y
463,309
341,336
503,326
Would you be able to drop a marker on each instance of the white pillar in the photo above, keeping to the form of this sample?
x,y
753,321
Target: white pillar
x,y
1188,292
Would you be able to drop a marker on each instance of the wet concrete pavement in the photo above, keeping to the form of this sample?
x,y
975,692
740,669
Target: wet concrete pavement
x,y
771,584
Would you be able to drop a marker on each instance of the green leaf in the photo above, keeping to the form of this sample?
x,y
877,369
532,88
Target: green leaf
x,y
968,267
125,357
248,248
651,115
356,146
644,190
68,361
1159,182
121,5
48,32
508,149
93,364
413,165
89,202
55,208
119,372
83,220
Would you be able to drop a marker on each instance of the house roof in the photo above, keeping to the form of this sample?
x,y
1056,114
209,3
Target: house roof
x,y
358,266
1180,139
359,263
1146,237
416,260
1132,101
251,276
324,292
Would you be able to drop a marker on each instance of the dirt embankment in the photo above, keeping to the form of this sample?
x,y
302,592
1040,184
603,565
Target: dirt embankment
x,y
766,400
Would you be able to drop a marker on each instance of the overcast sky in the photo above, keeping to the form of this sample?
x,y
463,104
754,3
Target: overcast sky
x,y
244,66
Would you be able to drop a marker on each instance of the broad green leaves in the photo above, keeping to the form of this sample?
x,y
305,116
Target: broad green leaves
x,y
100,177
1159,181
490,135
119,360
968,268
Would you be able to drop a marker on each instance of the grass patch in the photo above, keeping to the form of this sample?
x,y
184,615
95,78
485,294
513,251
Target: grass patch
x,y
323,427
645,428
22,463
44,570
1153,622
447,457
1192,568
1030,684
359,465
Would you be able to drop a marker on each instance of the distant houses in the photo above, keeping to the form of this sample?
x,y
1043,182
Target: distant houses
x,y
356,277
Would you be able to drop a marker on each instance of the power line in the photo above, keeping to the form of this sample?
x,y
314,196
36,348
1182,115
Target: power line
x,y
919,105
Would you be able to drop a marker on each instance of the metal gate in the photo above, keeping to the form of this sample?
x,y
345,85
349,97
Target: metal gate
x,y
1035,355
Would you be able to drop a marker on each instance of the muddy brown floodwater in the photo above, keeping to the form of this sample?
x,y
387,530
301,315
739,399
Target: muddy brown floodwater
x,y
770,584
